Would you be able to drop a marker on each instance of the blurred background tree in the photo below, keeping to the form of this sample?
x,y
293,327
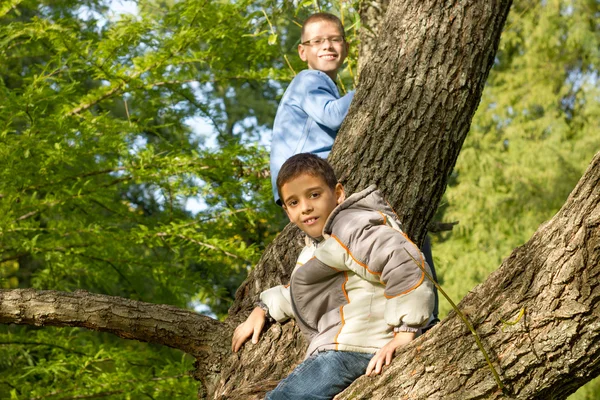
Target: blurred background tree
x,y
134,163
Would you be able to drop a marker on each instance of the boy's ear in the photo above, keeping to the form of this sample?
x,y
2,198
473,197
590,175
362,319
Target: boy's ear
x,y
340,194
302,52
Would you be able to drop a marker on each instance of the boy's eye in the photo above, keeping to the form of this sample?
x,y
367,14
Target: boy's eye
x,y
319,41
314,195
292,203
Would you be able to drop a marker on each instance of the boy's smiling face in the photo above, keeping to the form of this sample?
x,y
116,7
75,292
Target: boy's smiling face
x,y
308,201
327,56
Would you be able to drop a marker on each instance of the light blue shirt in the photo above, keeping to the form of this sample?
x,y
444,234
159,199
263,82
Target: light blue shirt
x,y
308,119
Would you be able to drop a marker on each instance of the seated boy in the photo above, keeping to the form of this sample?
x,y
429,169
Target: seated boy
x,y
311,110
355,292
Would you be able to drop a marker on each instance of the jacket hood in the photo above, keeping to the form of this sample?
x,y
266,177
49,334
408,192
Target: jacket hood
x,y
368,199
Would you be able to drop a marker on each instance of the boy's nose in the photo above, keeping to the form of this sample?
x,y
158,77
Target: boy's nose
x,y
327,44
307,208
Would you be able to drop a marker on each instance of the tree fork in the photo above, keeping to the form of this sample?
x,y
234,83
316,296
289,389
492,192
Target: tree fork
x,y
409,117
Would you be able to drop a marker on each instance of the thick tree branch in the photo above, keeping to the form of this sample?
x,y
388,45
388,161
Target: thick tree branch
x,y
185,330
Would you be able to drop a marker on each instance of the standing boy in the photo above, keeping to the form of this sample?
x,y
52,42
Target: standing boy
x,y
311,110
356,292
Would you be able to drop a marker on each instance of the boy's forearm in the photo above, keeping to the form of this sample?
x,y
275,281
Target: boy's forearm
x,y
326,109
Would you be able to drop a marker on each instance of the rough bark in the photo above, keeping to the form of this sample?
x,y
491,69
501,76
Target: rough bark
x,y
371,14
550,352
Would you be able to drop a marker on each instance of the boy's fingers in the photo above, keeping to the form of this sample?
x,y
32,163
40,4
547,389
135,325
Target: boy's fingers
x,y
234,341
255,336
370,366
237,343
378,366
239,337
388,357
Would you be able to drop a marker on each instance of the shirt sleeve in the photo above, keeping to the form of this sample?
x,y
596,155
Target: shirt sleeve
x,y
322,103
277,299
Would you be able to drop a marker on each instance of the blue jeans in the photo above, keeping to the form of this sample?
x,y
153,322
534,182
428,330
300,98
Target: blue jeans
x,y
322,376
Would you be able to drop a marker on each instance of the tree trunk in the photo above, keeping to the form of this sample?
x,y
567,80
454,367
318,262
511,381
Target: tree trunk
x,y
407,122
415,101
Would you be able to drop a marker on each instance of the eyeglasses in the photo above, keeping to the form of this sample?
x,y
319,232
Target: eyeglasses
x,y
319,41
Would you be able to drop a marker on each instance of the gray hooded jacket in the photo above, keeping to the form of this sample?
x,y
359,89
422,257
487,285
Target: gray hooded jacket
x,y
349,291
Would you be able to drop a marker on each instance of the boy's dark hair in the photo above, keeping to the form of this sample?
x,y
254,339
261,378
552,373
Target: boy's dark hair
x,y
305,163
322,16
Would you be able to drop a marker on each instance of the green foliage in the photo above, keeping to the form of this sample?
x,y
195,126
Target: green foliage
x,y
34,366
98,161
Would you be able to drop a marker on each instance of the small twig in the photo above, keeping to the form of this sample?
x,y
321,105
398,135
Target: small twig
x,y
113,266
127,110
97,100
464,319
289,64
436,227
28,215
210,246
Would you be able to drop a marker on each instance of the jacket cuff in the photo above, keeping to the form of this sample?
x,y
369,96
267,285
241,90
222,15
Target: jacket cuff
x,y
265,308
406,328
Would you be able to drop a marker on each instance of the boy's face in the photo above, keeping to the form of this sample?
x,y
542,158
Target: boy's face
x,y
329,55
308,201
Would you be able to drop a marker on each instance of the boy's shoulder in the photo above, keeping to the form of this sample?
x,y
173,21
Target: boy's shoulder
x,y
361,211
310,77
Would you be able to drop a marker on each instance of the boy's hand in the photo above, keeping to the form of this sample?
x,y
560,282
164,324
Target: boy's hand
x,y
251,327
385,354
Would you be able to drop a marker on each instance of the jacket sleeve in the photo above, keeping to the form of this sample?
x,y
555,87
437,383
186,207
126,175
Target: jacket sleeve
x,y
277,300
384,255
322,104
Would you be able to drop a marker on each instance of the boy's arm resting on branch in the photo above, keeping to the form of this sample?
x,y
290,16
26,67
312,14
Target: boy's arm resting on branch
x,y
249,328
275,304
322,105
277,299
384,355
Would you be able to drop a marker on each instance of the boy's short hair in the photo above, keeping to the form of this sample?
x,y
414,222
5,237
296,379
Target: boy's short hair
x,y
305,163
322,16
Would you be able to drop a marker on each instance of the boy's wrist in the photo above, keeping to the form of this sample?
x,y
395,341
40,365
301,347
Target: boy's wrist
x,y
265,308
